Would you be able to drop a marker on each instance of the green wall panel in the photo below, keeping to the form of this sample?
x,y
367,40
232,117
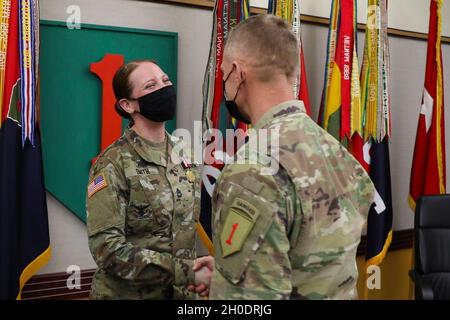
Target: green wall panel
x,y
71,97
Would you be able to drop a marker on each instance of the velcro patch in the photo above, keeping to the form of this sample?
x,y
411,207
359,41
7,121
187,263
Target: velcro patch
x,y
239,222
97,184
252,184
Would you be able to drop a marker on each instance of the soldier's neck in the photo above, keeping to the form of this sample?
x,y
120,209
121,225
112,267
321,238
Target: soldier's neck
x,y
149,130
265,96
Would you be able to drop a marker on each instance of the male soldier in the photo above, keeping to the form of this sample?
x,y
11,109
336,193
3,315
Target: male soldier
x,y
292,234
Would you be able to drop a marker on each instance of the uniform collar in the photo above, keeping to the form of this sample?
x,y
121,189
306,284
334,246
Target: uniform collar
x,y
279,110
143,148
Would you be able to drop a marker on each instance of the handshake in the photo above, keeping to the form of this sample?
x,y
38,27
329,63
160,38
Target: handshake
x,y
203,269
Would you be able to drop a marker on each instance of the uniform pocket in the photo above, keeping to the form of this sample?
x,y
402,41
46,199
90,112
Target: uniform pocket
x,y
147,211
244,219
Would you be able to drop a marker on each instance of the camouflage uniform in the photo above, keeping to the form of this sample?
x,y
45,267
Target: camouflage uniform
x,y
293,234
142,207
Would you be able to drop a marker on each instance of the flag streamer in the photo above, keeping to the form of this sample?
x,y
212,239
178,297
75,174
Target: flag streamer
x,y
355,108
5,10
340,110
27,69
375,80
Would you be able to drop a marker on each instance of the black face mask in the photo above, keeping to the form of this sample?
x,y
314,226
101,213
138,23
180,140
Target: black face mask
x,y
231,105
159,105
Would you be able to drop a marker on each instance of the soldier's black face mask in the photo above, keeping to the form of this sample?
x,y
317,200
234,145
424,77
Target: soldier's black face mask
x,y
159,105
231,105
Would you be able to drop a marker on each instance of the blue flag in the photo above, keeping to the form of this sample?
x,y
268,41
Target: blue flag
x,y
24,234
379,222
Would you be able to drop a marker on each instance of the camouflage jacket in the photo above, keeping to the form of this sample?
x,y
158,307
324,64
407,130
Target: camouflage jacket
x,y
142,206
291,234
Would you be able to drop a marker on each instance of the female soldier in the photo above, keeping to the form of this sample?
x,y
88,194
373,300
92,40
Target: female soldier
x,y
142,202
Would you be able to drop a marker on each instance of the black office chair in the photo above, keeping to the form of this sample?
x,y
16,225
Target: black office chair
x,y
431,273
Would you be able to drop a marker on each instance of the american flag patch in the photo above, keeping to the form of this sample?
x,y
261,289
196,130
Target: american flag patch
x,y
97,184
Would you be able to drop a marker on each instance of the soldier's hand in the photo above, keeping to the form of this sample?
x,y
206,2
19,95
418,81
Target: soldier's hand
x,y
207,261
202,281
203,268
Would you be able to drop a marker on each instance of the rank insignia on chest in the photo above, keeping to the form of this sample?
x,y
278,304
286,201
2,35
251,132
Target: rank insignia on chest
x,y
190,176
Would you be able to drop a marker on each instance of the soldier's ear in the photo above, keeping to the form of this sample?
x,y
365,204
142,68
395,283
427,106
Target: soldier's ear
x,y
236,66
241,72
127,106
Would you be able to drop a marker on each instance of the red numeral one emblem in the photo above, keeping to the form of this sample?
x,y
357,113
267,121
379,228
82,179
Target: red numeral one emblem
x,y
235,226
111,121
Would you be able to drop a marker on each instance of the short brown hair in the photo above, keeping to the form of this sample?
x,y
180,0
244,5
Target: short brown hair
x,y
269,42
122,86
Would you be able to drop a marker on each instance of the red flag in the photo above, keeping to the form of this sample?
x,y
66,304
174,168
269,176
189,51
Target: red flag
x,y
303,92
428,167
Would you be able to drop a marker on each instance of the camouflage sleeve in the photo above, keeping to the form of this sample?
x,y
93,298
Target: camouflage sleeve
x,y
366,195
106,215
252,217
